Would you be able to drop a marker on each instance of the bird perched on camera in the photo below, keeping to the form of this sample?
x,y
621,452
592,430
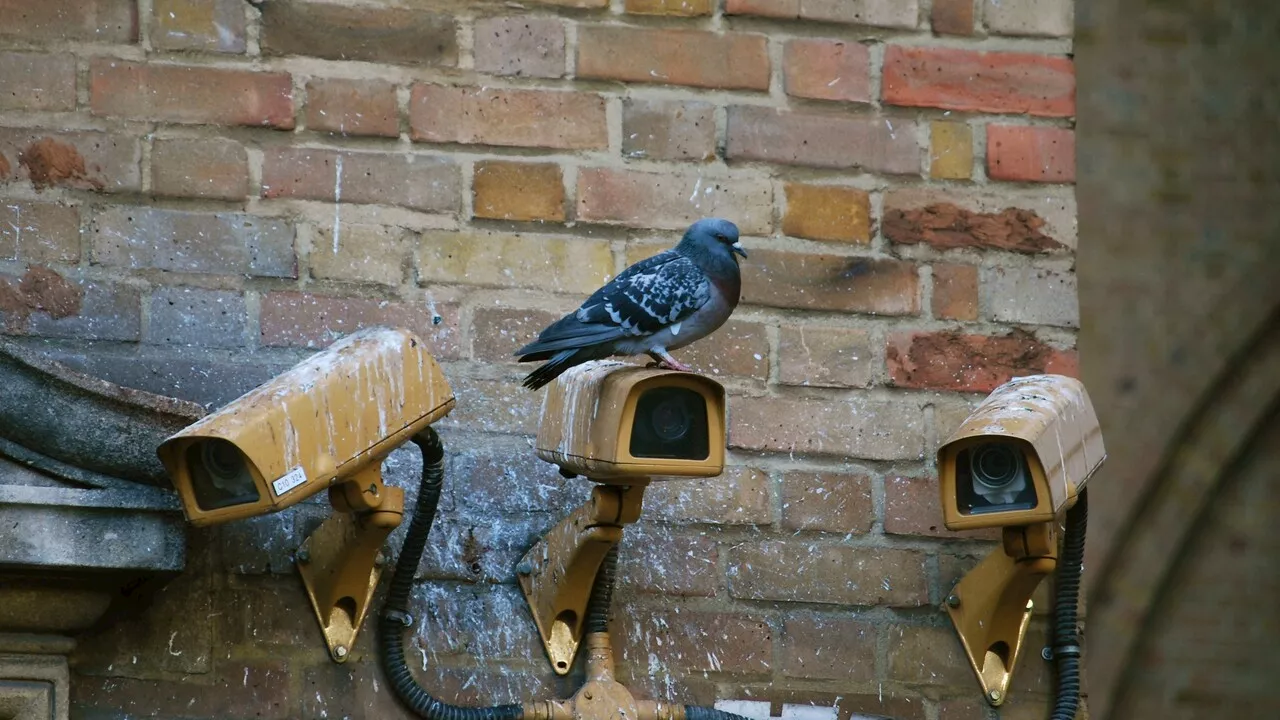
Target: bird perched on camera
x,y
653,307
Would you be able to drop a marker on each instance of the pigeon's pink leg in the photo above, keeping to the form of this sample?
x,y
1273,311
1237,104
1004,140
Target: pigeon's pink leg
x,y
666,361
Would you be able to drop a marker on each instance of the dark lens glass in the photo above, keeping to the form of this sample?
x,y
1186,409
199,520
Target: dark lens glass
x,y
671,423
993,477
220,475
995,466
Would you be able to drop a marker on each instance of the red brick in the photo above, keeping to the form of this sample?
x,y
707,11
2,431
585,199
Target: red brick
x,y
829,648
81,160
44,303
696,58
825,357
880,13
992,82
316,321
1039,223
682,8
827,212
668,129
672,201
31,81
497,332
208,168
1031,154
370,34
192,316
804,571
952,17
353,107
828,502
559,264
739,348
929,655
779,278
739,496
765,8
827,70
518,191
971,363
655,561
520,45
955,292
361,252
822,140
212,25
102,21
192,242
912,506
199,95
520,118
39,232
851,428
684,641
430,184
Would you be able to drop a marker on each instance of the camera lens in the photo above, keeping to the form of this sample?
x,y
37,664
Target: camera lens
x,y
672,418
222,461
670,422
995,466
220,475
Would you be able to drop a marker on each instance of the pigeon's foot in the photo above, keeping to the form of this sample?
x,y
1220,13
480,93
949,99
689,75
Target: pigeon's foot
x,y
666,362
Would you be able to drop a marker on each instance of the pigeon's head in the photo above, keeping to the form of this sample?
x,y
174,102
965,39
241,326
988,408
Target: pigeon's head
x,y
715,236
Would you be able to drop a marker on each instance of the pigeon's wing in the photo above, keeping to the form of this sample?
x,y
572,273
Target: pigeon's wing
x,y
643,299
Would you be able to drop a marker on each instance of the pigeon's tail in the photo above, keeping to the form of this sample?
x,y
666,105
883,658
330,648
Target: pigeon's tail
x,y
561,362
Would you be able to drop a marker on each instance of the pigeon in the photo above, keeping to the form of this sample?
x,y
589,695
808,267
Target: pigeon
x,y
653,307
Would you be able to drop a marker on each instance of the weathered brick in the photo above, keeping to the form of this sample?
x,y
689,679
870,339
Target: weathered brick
x,y
82,160
912,506
854,428
1031,154
39,232
822,140
803,571
258,612
200,95
829,648
103,21
949,413
520,45
32,81
520,118
682,8
494,406
317,321
950,151
696,58
779,278
683,640
993,82
192,374
575,3
195,242
739,496
930,655
192,316
361,252
262,690
955,292
215,168
668,129
952,17
1044,18
353,107
497,332
971,363
498,260
44,303
419,182
963,708
738,348
1019,222
370,34
827,212
827,501
825,357
1032,296
879,13
655,561
504,477
673,201
827,70
212,25
470,621
518,191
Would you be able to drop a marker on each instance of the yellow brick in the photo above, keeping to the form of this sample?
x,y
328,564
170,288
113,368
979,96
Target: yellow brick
x,y
686,8
951,153
504,260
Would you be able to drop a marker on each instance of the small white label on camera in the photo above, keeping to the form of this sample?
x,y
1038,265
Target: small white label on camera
x,y
289,481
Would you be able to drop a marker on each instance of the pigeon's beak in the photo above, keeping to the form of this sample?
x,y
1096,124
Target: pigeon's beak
x,y
737,248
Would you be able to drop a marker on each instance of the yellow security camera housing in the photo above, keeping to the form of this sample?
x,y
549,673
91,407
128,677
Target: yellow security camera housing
x,y
323,421
611,421
1022,457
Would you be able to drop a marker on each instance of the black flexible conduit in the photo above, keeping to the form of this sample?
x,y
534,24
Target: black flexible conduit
x,y
395,616
1066,640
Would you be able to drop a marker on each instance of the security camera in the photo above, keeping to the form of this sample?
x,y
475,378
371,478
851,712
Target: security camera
x,y
609,420
327,419
1022,457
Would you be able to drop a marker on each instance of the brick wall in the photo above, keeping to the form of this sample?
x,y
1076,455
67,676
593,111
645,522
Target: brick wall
x,y
197,193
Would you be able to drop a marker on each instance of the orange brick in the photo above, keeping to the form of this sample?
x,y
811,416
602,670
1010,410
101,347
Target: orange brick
x,y
830,502
200,95
518,191
818,356
521,118
1031,154
827,70
992,82
827,212
696,58
955,292
353,107
952,17
971,363
672,201
950,151
682,8
784,279
804,571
